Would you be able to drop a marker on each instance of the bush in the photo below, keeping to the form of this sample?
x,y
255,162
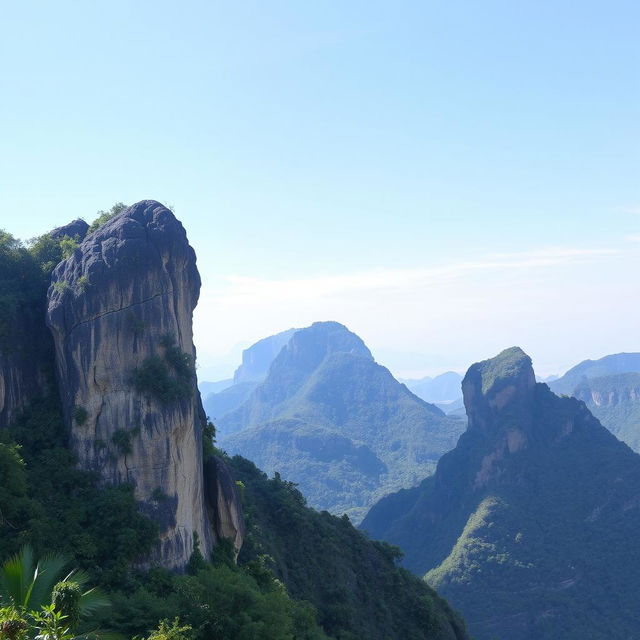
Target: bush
x,y
169,377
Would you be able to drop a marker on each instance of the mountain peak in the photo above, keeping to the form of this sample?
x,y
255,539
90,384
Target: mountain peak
x,y
310,346
493,384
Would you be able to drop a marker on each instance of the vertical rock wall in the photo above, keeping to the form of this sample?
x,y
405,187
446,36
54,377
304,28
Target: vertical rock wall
x,y
120,310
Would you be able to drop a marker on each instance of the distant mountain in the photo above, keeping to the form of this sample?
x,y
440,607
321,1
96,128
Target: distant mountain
x,y
442,388
256,361
207,388
333,420
527,525
454,408
610,387
609,365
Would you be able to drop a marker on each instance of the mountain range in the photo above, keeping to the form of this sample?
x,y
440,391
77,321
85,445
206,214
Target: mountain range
x,y
610,387
526,526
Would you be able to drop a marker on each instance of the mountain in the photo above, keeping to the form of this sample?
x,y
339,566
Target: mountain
x,y
256,361
102,459
610,387
441,389
609,365
206,387
331,419
525,526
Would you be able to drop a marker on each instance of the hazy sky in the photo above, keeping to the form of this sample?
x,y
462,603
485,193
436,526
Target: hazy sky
x,y
446,178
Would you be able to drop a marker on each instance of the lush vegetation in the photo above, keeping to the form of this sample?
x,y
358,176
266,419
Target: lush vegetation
x,y
354,583
102,217
331,419
530,543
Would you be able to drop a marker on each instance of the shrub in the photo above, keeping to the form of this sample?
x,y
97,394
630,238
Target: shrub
x,y
168,378
65,597
80,416
122,440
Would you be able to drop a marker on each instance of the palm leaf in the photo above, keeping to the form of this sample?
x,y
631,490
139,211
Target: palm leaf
x,y
16,577
47,574
92,601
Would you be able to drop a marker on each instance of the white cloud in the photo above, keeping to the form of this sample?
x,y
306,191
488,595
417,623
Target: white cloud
x,y
562,304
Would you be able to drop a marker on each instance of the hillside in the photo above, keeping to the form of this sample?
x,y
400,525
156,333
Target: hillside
x,y
331,419
610,387
525,524
256,361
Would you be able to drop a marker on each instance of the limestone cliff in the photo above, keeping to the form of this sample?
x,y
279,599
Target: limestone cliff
x,y
120,310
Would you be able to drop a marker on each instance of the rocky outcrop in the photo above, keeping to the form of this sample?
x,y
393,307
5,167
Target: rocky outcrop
x,y
223,502
120,310
76,229
22,379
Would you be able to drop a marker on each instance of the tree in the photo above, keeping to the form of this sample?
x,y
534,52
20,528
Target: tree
x,y
30,586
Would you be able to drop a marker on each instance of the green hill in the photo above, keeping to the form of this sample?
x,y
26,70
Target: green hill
x,y
331,419
525,526
610,387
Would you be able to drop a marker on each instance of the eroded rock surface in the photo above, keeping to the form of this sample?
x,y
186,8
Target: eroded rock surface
x,y
120,310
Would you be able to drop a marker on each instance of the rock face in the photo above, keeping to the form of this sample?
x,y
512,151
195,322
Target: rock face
x,y
22,379
120,310
524,527
75,229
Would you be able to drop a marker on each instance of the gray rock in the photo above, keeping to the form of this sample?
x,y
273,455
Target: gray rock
x,y
123,304
75,228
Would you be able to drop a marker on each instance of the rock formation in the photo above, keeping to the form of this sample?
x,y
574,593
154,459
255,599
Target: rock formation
x,y
525,525
120,310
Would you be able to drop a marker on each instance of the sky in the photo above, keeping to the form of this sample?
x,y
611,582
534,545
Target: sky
x,y
445,178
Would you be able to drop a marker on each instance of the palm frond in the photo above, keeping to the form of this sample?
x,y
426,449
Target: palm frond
x,y
16,577
92,601
48,573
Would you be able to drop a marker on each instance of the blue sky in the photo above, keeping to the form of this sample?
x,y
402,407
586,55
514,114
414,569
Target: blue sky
x,y
447,179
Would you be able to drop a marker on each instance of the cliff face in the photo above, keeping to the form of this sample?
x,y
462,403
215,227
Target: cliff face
x,y
22,378
120,310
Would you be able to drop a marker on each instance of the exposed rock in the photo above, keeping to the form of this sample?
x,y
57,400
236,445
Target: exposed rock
x,y
77,228
22,379
223,502
120,310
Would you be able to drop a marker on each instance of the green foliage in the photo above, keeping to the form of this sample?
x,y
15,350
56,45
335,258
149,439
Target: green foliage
x,y
104,216
13,625
354,583
345,430
169,377
82,283
65,508
65,598
61,286
69,245
122,441
173,631
51,624
80,415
